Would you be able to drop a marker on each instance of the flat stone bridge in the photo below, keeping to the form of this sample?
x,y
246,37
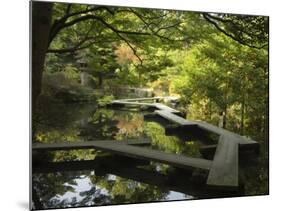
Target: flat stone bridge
x,y
223,169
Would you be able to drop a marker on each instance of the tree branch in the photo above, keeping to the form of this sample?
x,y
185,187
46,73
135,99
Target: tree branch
x,y
80,46
209,19
116,31
67,11
90,10
91,17
59,24
69,50
233,24
155,33
75,47
63,24
131,47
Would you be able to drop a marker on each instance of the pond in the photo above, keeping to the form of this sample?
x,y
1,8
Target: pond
x,y
92,177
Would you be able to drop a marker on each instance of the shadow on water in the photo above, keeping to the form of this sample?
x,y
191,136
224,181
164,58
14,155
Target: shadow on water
x,y
91,177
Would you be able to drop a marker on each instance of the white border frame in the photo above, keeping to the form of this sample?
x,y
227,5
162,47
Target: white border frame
x,y
15,102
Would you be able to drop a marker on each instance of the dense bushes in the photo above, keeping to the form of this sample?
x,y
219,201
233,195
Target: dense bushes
x,y
58,86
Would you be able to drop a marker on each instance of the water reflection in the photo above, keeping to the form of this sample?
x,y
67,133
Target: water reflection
x,y
92,177
85,188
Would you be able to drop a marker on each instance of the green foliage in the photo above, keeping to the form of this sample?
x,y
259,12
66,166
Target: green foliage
x,y
158,138
247,30
215,62
170,144
221,75
105,100
63,86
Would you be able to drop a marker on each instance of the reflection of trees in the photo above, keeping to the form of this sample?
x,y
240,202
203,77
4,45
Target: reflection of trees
x,y
109,124
170,144
100,125
129,186
94,196
123,190
49,185
120,180
85,154
255,174
104,190
130,125
256,181
58,122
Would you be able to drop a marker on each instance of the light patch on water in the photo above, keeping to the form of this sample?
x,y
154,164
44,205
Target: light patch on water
x,y
158,168
173,195
83,184
111,177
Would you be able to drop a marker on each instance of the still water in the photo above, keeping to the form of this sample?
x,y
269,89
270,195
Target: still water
x,y
91,177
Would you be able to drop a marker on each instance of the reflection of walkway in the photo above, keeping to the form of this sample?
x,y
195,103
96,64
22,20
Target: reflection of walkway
x,y
223,170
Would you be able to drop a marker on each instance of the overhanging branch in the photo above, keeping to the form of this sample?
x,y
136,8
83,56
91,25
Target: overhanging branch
x,y
211,20
59,24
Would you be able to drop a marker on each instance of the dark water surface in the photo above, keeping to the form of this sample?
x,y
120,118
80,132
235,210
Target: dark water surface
x,y
93,177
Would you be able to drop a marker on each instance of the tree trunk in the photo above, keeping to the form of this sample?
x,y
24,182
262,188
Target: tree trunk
x,y
210,110
140,79
100,80
41,24
222,121
224,117
242,113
